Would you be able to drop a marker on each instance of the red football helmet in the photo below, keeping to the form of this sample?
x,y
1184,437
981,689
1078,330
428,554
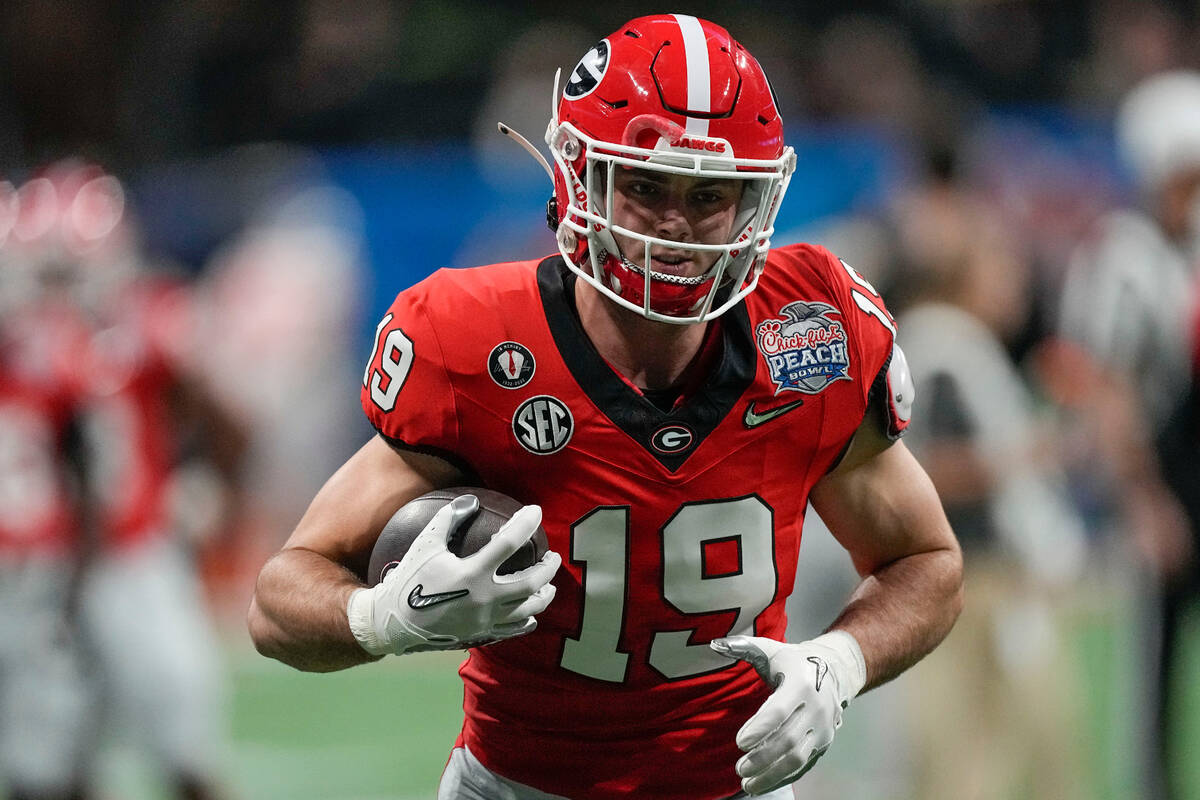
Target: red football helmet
x,y
68,225
673,94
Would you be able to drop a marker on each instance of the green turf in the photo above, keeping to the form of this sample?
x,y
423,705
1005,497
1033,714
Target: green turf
x,y
381,730
1101,649
1186,737
384,730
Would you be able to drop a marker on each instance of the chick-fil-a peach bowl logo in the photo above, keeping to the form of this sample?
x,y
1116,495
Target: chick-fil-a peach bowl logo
x,y
806,350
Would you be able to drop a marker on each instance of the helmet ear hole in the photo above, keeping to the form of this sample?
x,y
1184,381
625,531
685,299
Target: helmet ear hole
x,y
552,214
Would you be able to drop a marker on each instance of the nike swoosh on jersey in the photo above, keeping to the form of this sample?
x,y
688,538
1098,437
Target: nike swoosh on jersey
x,y
418,601
754,418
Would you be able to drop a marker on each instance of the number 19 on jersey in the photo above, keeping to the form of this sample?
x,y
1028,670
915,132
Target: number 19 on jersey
x,y
600,542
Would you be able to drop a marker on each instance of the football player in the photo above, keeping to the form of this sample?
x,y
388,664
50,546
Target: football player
x,y
667,394
122,339
43,545
1130,306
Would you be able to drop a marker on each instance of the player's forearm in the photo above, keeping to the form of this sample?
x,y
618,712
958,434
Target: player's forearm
x,y
903,610
298,613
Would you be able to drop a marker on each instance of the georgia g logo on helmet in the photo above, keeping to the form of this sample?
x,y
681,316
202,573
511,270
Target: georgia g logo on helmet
x,y
588,72
671,94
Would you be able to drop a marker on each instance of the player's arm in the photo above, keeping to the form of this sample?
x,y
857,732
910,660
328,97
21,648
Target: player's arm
x,y
210,451
298,612
882,507
310,609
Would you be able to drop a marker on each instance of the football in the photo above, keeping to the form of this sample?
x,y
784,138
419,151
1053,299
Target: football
x,y
407,523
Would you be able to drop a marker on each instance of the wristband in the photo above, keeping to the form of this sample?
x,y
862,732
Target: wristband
x,y
850,656
360,613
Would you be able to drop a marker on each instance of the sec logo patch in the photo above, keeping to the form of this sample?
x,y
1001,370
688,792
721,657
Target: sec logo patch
x,y
543,425
511,365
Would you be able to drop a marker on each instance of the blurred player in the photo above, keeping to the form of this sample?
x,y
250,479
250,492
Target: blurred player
x,y
43,544
670,422
1024,545
141,610
1130,302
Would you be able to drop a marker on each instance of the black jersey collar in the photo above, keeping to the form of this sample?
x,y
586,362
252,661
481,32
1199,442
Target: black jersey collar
x,y
669,436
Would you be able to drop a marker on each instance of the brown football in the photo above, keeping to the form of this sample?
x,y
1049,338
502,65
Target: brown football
x,y
407,523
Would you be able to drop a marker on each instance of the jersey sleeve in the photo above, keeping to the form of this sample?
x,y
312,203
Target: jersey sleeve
x,y
885,377
406,389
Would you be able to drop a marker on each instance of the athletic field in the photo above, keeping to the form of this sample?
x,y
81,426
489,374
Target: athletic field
x,y
383,730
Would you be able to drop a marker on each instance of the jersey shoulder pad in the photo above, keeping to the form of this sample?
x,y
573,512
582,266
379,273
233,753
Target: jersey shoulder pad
x,y
474,295
435,333
798,266
814,275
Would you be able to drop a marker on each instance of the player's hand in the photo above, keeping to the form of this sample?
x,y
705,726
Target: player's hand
x,y
814,681
434,600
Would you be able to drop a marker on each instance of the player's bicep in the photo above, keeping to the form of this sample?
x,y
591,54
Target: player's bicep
x,y
350,510
883,509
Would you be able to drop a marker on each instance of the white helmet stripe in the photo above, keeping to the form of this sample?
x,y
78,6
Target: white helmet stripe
x,y
695,53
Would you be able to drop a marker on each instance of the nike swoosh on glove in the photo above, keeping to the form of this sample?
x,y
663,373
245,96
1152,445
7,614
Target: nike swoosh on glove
x,y
814,682
434,600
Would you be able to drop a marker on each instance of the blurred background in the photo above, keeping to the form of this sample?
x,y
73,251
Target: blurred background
x,y
206,206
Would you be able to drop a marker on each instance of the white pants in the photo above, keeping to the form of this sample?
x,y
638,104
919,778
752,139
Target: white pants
x,y
158,654
467,779
44,698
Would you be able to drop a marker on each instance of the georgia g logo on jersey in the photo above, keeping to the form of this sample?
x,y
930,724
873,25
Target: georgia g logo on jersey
x,y
588,72
806,350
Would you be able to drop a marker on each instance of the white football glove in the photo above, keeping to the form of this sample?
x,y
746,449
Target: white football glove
x,y
814,681
434,600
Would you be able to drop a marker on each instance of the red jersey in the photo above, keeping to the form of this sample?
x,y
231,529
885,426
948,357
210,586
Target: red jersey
x,y
37,405
124,374
676,527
